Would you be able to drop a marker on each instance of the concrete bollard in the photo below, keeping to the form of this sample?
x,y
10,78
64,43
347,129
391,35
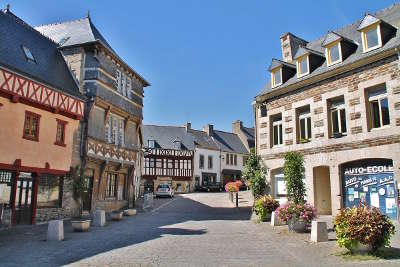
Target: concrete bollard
x,y
55,230
99,218
275,221
130,212
319,231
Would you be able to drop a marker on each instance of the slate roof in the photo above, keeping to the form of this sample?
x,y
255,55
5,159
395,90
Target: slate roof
x,y
165,136
333,37
74,32
202,140
304,50
367,21
50,67
276,63
229,142
78,32
389,15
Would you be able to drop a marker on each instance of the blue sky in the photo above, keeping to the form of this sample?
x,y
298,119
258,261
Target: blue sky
x,y
205,59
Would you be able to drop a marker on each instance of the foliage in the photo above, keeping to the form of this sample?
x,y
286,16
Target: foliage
x,y
238,183
232,187
302,211
254,174
79,184
293,171
265,205
365,225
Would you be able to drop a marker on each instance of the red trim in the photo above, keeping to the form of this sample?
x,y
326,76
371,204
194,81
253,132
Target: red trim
x,y
28,137
39,96
17,168
64,124
34,196
14,193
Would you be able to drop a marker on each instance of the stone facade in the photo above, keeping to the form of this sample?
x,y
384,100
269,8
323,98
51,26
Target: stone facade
x,y
327,154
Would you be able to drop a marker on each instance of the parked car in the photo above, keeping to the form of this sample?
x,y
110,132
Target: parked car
x,y
164,190
217,187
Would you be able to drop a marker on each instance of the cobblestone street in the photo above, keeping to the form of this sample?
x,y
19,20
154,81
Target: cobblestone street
x,y
199,229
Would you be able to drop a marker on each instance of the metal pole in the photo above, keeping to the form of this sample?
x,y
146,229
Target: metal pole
x,y
237,199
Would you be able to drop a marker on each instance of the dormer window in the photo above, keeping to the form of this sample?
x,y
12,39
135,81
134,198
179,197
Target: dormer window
x,y
151,143
276,77
334,53
371,38
303,66
28,54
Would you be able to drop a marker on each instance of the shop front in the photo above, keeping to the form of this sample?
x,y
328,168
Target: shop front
x,y
230,175
371,182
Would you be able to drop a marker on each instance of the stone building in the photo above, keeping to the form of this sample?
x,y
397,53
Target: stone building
x,y
109,139
40,109
336,100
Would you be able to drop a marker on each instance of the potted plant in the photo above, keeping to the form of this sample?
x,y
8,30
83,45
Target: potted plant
x,y
362,229
297,216
231,187
264,206
79,186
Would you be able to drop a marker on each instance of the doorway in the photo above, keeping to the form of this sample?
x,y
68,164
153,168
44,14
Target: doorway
x,y
87,194
23,199
322,190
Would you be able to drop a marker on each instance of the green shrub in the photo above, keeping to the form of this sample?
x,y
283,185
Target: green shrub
x,y
365,225
265,205
254,174
293,171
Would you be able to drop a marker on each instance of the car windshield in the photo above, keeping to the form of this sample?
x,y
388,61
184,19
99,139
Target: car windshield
x,y
163,186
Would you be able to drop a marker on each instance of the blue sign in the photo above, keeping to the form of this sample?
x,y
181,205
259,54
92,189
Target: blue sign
x,y
371,184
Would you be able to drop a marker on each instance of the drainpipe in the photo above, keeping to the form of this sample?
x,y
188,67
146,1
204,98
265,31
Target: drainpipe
x,y
398,56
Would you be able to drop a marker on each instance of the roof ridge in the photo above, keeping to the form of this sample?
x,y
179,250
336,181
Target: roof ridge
x,y
61,22
175,126
225,132
22,22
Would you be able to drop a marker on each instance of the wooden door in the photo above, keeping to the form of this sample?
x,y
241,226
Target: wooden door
x,y
23,199
87,194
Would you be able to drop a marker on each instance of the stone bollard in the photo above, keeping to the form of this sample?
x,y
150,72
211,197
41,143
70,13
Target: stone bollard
x,y
275,221
319,231
99,218
55,230
130,212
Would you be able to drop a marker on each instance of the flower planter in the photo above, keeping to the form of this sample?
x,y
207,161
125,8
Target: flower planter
x,y
266,217
359,248
81,225
296,225
130,212
116,215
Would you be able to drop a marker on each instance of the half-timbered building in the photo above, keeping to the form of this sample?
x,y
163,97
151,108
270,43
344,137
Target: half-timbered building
x,y
108,143
40,108
168,158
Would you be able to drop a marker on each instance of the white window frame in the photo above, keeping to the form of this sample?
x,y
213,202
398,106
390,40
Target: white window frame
x,y
273,77
378,98
328,53
376,27
300,59
280,133
151,143
305,117
338,108
115,130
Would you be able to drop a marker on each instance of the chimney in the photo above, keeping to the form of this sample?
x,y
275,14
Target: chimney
x,y
188,126
290,44
209,129
237,126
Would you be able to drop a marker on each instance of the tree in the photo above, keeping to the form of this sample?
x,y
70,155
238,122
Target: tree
x,y
254,173
293,171
79,185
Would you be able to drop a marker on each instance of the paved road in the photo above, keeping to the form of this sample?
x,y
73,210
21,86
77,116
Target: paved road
x,y
201,229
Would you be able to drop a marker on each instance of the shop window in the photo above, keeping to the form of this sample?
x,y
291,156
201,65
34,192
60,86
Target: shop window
x,y
201,162
31,126
60,135
304,124
277,134
49,191
337,117
378,107
112,185
6,179
210,162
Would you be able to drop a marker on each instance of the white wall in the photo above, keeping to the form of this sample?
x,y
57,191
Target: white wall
x,y
239,165
216,162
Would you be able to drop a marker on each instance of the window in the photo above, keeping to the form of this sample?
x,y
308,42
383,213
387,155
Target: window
x,y
304,124
60,135
277,134
227,159
210,162
129,87
201,162
231,159
49,191
177,145
28,54
151,143
31,126
337,118
371,38
276,77
263,111
245,158
302,66
112,185
334,54
123,80
115,130
235,160
378,107
118,80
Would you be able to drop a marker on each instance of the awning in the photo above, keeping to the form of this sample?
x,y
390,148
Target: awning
x,y
232,172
